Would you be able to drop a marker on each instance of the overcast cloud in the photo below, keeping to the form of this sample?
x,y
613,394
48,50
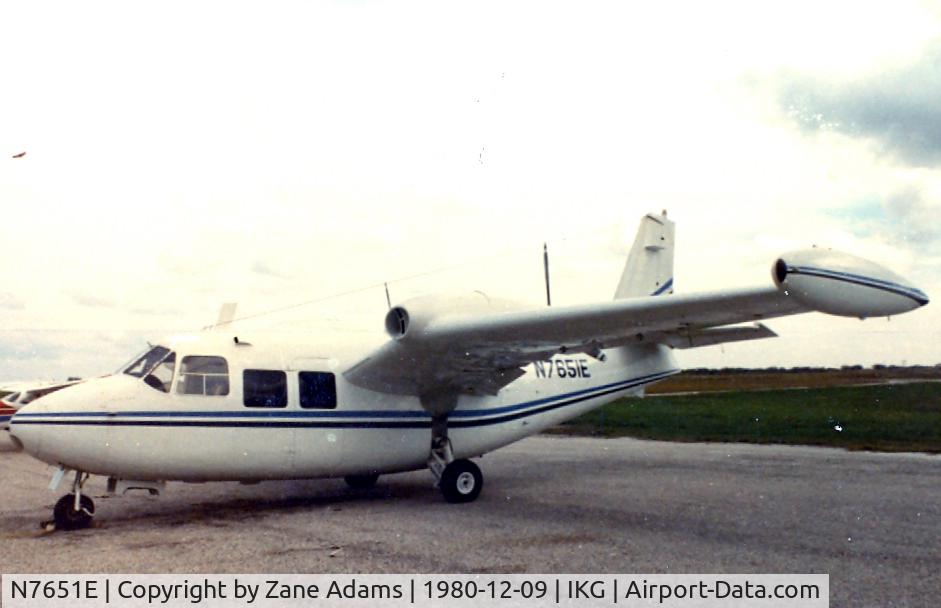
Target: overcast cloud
x,y
93,301
913,219
183,155
898,108
8,301
891,109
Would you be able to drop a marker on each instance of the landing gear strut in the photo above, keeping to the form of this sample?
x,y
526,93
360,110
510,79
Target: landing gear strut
x,y
459,480
74,511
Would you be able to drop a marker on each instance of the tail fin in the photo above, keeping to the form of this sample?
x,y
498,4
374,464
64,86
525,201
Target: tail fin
x,y
649,268
226,315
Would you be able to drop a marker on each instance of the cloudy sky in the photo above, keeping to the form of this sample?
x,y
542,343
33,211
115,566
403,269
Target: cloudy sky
x,y
185,154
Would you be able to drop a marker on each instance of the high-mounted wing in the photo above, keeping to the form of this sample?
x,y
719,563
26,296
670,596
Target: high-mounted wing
x,y
458,347
481,353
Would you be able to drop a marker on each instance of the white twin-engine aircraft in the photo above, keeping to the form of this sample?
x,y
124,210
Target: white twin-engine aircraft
x,y
453,379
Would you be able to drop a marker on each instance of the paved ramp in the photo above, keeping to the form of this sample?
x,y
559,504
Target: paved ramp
x,y
550,504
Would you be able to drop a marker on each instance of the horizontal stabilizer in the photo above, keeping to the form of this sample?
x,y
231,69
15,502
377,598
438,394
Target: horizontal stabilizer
x,y
717,335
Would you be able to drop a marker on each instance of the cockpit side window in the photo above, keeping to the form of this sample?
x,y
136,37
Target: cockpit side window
x,y
203,375
161,376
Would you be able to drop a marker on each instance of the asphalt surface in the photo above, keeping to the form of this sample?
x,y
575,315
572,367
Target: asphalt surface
x,y
549,505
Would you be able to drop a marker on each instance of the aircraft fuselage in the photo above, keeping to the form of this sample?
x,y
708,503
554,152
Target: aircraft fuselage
x,y
277,410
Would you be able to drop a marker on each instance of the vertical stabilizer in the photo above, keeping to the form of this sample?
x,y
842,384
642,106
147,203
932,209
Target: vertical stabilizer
x,y
649,268
226,314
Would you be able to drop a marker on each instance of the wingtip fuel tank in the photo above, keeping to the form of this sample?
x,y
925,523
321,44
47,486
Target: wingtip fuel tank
x,y
841,284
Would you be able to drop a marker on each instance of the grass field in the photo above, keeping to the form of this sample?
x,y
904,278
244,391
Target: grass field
x,y
893,417
756,379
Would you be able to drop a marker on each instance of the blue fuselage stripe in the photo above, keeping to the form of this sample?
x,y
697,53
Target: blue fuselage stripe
x,y
295,419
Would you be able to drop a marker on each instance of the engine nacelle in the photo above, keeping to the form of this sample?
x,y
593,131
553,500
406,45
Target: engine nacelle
x,y
415,315
842,284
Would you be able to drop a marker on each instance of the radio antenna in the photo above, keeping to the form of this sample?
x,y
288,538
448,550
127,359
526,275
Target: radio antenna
x,y
545,263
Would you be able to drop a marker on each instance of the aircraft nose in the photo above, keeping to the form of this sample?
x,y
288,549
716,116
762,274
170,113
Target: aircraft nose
x,y
68,427
33,423
25,436
15,444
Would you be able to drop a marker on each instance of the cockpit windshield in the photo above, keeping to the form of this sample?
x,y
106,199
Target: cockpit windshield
x,y
155,367
147,362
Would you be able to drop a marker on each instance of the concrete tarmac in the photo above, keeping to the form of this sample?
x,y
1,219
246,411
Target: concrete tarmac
x,y
549,505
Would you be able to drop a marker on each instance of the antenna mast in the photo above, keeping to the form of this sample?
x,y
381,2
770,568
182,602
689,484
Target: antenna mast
x,y
545,263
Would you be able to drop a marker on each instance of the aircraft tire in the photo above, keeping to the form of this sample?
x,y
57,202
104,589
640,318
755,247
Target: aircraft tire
x,y
67,518
461,481
361,482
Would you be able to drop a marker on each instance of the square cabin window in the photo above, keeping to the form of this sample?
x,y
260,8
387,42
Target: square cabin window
x,y
318,390
203,375
264,388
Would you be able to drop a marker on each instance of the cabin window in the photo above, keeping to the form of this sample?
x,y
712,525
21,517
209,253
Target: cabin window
x,y
264,388
318,390
202,375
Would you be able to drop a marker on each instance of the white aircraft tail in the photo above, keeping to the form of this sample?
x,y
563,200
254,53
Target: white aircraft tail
x,y
649,267
226,315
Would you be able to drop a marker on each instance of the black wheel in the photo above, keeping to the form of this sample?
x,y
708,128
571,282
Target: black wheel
x,y
361,482
461,481
67,518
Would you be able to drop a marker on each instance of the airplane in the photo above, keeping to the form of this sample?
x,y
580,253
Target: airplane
x,y
22,393
451,379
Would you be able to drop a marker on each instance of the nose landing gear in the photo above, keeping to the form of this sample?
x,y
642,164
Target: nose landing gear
x,y
73,511
68,515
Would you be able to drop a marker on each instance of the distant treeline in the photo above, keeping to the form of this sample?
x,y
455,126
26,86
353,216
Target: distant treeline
x,y
708,371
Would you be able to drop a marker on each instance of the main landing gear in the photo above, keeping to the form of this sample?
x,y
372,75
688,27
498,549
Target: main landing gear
x,y
459,480
73,511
